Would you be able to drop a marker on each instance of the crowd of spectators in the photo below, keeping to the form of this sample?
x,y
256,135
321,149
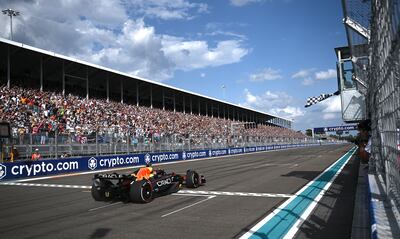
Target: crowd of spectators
x,y
42,113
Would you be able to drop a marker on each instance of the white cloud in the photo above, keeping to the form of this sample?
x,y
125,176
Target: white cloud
x,y
277,103
305,76
325,75
307,81
90,33
202,75
289,111
240,3
329,116
330,108
227,30
332,105
325,113
265,75
303,73
189,55
226,33
309,76
166,9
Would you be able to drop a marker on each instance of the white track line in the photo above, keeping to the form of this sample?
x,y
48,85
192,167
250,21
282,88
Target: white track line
x,y
189,194
183,192
303,217
191,205
108,205
306,213
46,185
292,165
243,194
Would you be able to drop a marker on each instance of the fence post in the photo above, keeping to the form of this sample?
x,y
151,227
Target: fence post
x,y
127,142
97,143
2,150
56,143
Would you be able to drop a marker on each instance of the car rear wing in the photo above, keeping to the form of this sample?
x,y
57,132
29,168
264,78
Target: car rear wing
x,y
111,176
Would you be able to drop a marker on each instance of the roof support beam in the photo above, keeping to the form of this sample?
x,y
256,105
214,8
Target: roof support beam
x,y
357,27
151,96
63,78
108,88
122,90
137,93
360,81
8,68
41,73
87,83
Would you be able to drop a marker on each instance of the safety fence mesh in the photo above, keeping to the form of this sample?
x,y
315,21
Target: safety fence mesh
x,y
358,15
384,95
373,34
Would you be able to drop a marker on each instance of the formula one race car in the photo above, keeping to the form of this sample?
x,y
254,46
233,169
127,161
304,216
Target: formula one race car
x,y
113,186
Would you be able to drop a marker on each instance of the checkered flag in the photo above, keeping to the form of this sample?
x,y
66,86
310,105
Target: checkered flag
x,y
315,99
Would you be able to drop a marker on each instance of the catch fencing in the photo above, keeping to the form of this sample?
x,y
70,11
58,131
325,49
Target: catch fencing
x,y
375,50
384,94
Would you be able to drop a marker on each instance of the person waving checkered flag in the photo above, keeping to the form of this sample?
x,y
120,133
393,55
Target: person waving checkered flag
x,y
315,99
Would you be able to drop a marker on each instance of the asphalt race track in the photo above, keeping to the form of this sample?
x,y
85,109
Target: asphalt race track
x,y
240,191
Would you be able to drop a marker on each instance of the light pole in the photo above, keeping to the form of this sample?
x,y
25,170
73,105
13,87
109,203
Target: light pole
x,y
11,13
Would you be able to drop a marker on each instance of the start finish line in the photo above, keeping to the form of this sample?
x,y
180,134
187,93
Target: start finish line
x,y
335,128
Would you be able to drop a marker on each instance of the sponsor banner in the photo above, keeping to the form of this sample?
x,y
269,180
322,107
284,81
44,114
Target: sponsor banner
x,y
237,151
261,148
160,157
218,152
270,147
186,155
24,169
115,161
251,149
335,128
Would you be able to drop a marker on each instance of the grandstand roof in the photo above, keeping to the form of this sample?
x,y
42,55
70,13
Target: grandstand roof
x,y
60,56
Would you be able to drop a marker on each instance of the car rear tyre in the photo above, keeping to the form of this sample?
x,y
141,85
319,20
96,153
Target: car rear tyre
x,y
101,191
192,179
141,191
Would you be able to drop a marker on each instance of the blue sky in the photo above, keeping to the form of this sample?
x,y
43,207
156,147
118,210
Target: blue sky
x,y
269,54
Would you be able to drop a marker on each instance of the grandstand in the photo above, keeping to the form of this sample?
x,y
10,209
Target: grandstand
x,y
53,99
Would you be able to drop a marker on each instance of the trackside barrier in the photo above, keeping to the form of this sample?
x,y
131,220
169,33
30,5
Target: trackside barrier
x,y
26,169
372,188
382,221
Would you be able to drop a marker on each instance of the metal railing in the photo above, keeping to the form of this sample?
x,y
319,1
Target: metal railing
x,y
54,145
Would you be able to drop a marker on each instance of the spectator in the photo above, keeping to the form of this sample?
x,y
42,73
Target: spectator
x,y
364,140
36,155
32,111
13,153
65,155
